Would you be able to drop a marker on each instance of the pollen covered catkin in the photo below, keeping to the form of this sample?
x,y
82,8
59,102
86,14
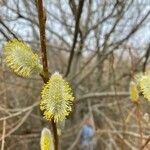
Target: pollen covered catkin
x,y
57,98
144,83
21,59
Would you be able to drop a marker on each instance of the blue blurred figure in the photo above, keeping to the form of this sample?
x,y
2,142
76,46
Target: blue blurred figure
x,y
87,134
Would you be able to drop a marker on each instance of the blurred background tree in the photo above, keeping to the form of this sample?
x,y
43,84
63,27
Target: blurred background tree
x,y
98,48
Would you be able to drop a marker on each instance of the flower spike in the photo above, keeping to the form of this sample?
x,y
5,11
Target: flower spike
x,y
46,140
20,58
134,94
57,98
144,84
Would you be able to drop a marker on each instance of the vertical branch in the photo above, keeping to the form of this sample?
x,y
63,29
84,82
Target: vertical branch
x,y
42,21
45,76
146,58
138,115
3,135
117,100
81,2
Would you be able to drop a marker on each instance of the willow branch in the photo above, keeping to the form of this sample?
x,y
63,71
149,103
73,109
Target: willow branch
x,y
42,21
45,76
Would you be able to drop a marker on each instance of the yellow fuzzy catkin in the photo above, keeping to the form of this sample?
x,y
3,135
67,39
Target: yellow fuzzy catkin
x,y
46,140
144,84
20,58
57,98
134,95
146,117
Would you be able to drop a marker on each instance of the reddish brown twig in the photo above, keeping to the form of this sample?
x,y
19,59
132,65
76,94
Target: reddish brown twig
x,y
145,144
45,75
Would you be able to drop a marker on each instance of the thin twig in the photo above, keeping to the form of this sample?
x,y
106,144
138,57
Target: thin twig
x,y
81,2
138,114
75,141
18,125
3,136
145,144
89,96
